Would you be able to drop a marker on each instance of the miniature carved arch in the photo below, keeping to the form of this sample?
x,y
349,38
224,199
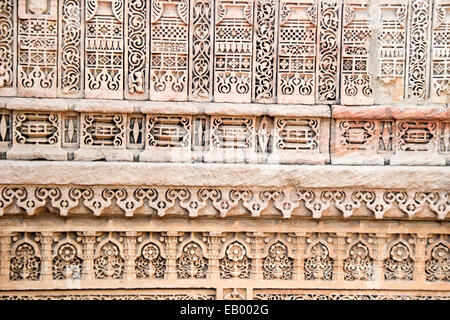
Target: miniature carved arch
x,y
355,243
330,249
158,9
189,240
26,240
116,8
387,253
247,11
66,240
274,242
98,249
439,242
143,244
231,241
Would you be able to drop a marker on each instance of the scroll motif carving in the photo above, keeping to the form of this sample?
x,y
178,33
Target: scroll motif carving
x,y
437,268
278,265
104,44
71,60
202,46
419,47
328,33
109,264
235,264
37,48
233,51
67,264
319,266
7,48
192,264
399,265
150,264
264,70
359,264
297,51
137,49
169,50
25,264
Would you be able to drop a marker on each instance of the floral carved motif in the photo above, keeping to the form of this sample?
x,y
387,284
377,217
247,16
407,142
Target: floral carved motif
x,y
399,265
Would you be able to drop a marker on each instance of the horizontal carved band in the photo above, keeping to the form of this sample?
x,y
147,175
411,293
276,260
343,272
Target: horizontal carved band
x,y
159,201
46,132
285,51
227,294
70,260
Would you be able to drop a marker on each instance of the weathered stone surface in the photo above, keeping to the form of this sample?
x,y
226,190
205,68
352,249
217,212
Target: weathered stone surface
x,y
249,149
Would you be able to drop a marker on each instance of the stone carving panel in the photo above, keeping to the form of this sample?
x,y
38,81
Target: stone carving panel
x,y
169,50
37,48
233,51
297,51
440,55
104,45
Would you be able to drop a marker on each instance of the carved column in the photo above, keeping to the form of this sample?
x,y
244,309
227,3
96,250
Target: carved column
x,y
298,250
171,240
420,257
130,255
418,52
328,51
214,240
339,242
380,240
46,239
256,239
89,239
5,255
265,43
8,32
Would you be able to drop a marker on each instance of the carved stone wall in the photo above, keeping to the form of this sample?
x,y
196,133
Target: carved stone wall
x,y
229,149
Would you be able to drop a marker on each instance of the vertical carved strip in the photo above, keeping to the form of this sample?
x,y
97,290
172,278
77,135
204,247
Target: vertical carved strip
x,y
297,51
104,44
265,42
201,50
137,49
392,49
46,239
171,240
5,256
169,50
356,87
420,257
328,55
418,50
8,29
130,255
214,240
71,61
37,48
233,51
299,245
440,55
89,239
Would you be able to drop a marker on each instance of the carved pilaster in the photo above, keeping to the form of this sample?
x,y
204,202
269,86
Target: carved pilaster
x,y
339,242
5,255
298,244
379,240
130,255
88,239
214,240
46,240
256,240
171,241
420,257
